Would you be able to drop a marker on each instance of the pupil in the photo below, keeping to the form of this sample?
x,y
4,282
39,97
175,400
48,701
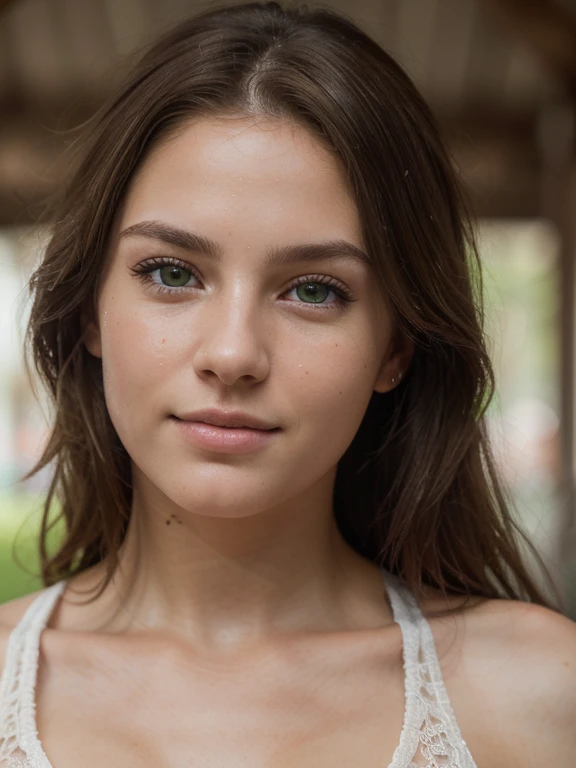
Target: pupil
x,y
316,292
174,273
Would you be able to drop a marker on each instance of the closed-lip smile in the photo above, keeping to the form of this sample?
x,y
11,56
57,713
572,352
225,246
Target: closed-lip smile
x,y
219,417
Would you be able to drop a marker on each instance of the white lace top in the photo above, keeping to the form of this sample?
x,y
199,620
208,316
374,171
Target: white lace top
x,y
430,736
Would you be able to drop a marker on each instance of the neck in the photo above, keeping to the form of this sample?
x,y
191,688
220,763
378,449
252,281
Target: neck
x,y
231,583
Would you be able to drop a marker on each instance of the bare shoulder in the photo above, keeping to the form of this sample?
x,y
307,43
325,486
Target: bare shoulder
x,y
537,682
12,611
512,667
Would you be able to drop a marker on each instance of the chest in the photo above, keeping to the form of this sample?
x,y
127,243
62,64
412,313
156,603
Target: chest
x,y
157,713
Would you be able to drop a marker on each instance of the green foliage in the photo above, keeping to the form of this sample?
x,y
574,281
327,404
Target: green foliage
x,y
20,517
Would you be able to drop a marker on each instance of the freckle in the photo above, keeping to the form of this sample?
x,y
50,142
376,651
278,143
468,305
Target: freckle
x,y
167,522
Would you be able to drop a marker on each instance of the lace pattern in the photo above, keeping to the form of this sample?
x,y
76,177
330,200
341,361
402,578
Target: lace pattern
x,y
19,761
19,744
430,735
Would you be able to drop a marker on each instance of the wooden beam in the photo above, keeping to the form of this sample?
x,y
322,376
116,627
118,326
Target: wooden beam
x,y
496,154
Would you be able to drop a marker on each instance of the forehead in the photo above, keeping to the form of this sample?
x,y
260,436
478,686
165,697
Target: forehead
x,y
254,174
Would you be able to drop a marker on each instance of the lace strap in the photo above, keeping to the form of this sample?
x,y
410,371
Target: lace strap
x,y
430,737
406,613
441,708
18,681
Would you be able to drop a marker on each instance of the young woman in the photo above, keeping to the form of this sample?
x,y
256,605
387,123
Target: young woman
x,y
259,318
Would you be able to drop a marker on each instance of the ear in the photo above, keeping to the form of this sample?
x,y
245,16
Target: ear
x,y
395,364
90,333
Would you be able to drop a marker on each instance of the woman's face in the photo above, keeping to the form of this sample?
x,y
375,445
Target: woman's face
x,y
297,338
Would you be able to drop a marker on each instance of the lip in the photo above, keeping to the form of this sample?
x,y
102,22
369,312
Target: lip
x,y
224,439
220,417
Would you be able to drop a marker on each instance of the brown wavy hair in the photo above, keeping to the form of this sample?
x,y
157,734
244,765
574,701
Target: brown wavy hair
x,y
417,491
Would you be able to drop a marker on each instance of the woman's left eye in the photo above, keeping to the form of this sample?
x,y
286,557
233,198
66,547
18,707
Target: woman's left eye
x,y
309,289
315,289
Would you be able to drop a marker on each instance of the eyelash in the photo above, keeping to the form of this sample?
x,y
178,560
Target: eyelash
x,y
144,270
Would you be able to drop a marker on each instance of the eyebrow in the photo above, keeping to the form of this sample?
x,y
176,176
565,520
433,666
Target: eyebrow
x,y
275,256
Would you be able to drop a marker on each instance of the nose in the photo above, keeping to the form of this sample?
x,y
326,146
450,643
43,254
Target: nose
x,y
231,346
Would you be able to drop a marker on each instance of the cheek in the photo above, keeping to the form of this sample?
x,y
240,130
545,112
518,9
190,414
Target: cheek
x,y
331,384
132,362
327,384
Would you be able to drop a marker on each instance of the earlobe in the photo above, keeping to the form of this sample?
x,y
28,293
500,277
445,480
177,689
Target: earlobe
x,y
394,368
91,335
386,381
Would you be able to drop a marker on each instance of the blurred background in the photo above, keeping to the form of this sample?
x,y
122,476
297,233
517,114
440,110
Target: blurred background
x,y
500,76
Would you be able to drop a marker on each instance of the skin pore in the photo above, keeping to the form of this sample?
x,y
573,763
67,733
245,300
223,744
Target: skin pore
x,y
230,550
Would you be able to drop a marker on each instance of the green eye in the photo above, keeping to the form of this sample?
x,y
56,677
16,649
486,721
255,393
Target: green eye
x,y
314,293
173,276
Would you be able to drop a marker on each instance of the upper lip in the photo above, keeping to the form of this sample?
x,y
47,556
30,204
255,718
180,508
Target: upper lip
x,y
222,418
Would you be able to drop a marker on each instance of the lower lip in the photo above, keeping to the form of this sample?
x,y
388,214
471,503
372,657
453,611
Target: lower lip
x,y
224,439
